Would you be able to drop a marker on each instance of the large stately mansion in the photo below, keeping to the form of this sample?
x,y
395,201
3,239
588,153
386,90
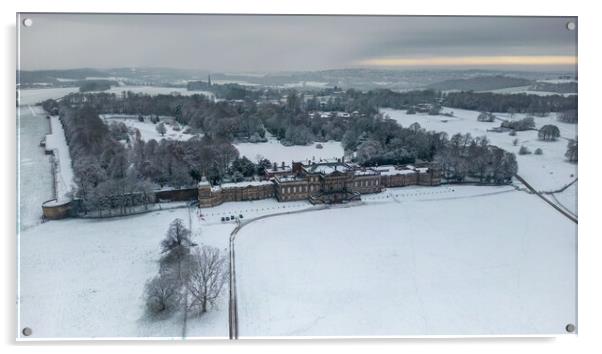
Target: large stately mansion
x,y
320,183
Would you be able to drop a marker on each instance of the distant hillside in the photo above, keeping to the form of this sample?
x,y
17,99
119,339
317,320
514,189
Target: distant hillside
x,y
52,76
95,85
560,87
480,83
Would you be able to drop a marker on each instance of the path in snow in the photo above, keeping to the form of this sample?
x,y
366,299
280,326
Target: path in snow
x,y
35,173
57,143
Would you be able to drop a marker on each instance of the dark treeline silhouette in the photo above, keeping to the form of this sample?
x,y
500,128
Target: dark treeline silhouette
x,y
233,91
467,158
569,116
511,103
95,85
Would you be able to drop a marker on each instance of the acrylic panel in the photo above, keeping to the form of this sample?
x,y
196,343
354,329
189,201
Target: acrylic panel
x,y
268,176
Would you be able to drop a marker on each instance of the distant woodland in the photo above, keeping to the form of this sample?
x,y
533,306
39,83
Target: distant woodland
x,y
110,173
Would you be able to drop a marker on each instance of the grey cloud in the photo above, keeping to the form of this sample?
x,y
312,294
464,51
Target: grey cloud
x,y
274,43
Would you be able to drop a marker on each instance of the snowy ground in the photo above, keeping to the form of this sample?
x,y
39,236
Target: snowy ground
x,y
250,209
34,176
34,96
297,278
147,129
391,269
276,152
158,90
566,199
85,278
546,172
527,90
56,142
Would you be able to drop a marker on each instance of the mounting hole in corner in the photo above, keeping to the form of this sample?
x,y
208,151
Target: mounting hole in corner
x,y
571,26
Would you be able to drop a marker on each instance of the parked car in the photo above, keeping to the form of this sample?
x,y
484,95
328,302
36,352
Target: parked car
x,y
240,216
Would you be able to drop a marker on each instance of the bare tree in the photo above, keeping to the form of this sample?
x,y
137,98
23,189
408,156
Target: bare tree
x,y
162,295
161,129
177,236
571,151
208,274
176,248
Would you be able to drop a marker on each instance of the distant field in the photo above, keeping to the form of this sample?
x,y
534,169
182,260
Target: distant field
x,y
34,96
546,172
274,151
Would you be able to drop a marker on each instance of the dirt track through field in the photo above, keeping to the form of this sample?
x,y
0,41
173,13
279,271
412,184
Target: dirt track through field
x,y
560,210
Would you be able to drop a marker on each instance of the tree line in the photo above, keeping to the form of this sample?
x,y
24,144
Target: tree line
x,y
472,158
510,103
116,178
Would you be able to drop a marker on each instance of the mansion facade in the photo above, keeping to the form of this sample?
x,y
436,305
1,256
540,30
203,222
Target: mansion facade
x,y
321,183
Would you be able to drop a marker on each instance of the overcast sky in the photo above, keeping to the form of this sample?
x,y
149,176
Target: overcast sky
x,y
227,43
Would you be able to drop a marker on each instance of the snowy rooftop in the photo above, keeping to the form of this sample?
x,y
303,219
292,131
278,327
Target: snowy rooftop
x,y
245,184
365,172
290,178
328,168
280,169
390,170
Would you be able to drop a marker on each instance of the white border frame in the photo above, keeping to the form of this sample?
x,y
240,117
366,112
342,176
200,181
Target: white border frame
x,y
589,245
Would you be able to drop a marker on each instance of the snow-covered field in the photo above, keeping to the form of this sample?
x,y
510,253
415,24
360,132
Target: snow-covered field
x,y
34,176
85,278
158,90
546,172
325,272
56,142
250,209
34,96
527,90
274,151
147,129
567,199
465,265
